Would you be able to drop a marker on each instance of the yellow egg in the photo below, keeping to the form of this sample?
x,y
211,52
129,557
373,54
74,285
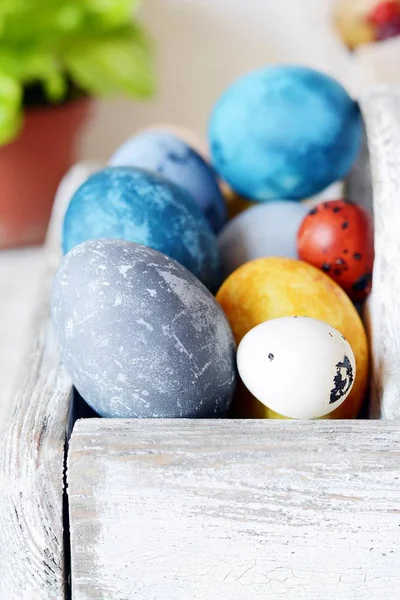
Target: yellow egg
x,y
268,288
235,203
351,21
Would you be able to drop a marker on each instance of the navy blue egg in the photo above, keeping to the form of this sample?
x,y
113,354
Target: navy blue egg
x,y
140,336
171,157
284,132
135,205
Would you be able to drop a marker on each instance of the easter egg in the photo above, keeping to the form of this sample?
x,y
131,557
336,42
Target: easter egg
x,y
138,206
351,19
268,288
68,185
300,367
172,158
332,192
284,132
385,18
195,141
235,204
338,237
263,230
139,335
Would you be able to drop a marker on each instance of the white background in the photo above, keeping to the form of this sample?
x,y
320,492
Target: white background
x,y
203,45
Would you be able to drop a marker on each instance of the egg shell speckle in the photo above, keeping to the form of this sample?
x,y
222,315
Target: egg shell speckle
x,y
165,154
135,205
263,230
139,335
300,367
284,132
268,288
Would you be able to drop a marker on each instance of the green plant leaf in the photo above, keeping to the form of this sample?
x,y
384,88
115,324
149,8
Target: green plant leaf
x,y
57,46
10,91
114,12
69,17
112,66
9,63
10,108
43,66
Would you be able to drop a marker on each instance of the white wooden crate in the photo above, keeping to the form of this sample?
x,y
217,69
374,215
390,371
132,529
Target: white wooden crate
x,y
182,510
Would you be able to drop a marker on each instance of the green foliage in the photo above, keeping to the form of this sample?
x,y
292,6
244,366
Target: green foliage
x,y
92,45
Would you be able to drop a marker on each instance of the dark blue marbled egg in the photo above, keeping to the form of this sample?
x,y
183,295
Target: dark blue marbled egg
x,y
284,132
138,206
139,335
165,154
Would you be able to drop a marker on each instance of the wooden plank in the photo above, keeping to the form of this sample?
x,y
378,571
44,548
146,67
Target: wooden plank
x,y
31,479
381,109
185,510
32,442
358,184
20,273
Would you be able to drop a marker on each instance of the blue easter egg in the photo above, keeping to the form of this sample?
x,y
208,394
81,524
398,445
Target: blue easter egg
x,y
140,336
284,132
263,230
134,205
172,158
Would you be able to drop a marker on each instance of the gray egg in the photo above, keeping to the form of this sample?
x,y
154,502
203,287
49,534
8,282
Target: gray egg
x,y
140,336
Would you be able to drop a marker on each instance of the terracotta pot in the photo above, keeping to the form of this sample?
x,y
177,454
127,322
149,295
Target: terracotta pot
x,y
31,168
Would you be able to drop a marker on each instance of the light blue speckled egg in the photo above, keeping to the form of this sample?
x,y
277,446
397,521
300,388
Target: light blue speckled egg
x,y
165,154
138,206
284,132
264,230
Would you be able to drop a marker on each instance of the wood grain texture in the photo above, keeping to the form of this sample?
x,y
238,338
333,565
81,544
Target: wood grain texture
x,y
20,273
358,184
32,442
31,479
381,108
184,510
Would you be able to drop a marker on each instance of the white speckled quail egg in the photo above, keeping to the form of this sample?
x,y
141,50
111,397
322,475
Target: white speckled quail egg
x,y
299,367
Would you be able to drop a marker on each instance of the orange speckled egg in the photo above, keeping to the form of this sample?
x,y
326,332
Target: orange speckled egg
x,y
272,287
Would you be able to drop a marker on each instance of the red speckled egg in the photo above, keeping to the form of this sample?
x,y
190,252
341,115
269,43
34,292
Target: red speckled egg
x,y
338,238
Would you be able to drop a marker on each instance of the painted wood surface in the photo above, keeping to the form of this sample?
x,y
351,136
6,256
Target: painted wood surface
x,y
32,441
184,510
31,476
381,108
20,280
358,184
